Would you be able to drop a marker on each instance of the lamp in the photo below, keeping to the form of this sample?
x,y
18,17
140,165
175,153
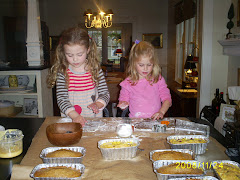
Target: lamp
x,y
189,64
118,52
98,20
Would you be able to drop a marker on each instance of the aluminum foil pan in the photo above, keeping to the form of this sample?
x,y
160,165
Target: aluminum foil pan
x,y
198,148
160,163
78,166
178,150
159,128
62,159
172,122
200,178
224,162
191,128
119,153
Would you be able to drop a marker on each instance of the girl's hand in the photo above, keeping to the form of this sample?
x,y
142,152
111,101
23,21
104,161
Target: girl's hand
x,y
95,107
80,119
123,105
76,117
158,115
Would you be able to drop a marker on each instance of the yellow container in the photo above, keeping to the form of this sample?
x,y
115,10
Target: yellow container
x,y
11,143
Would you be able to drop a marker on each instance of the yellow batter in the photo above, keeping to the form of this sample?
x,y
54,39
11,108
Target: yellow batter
x,y
187,141
118,144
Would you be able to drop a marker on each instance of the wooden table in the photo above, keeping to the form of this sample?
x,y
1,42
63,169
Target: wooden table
x,y
97,168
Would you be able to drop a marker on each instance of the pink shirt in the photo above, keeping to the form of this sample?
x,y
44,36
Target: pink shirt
x,y
144,99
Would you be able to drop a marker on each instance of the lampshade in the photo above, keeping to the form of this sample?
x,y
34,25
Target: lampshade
x,y
189,64
118,51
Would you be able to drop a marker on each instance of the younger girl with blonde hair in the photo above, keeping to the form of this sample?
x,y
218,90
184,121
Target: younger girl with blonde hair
x,y
81,88
144,90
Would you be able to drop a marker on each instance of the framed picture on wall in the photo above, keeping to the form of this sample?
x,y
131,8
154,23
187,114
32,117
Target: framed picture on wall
x,y
156,39
30,106
227,112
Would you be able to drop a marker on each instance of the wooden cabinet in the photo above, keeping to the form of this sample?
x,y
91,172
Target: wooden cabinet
x,y
36,94
183,104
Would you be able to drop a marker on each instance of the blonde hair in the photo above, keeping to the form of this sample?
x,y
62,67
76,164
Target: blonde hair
x,y
145,49
73,36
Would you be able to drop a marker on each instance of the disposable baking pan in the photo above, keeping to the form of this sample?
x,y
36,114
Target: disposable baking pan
x,y
191,128
78,166
198,148
224,162
200,178
159,128
119,153
191,163
62,159
177,150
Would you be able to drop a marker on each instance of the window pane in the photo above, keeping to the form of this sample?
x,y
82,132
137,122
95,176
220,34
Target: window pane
x,y
114,43
97,37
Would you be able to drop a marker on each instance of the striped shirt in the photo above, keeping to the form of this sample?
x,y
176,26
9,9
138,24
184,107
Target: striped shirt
x,y
82,91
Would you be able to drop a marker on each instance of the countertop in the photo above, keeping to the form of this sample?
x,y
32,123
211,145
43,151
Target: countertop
x,y
29,127
96,167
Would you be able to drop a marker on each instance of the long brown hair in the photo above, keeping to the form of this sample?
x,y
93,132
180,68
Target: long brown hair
x,y
72,36
145,49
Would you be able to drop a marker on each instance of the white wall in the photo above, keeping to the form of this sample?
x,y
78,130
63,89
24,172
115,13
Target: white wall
x,y
218,70
234,61
149,16
219,61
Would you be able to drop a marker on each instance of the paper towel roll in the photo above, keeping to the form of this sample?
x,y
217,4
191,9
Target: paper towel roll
x,y
234,92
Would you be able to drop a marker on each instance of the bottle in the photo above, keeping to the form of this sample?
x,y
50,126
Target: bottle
x,y
13,81
221,100
215,103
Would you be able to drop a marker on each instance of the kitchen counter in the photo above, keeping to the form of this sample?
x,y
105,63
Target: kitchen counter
x,y
98,168
29,127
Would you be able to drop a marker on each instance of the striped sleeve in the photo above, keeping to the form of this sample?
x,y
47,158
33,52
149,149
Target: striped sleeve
x,y
103,93
62,94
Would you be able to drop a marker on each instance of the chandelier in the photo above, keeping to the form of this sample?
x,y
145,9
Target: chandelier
x,y
98,20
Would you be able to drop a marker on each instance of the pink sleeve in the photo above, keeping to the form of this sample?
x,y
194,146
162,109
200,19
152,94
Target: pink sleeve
x,y
164,91
124,92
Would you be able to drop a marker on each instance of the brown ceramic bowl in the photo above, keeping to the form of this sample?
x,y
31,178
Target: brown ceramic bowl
x,y
64,134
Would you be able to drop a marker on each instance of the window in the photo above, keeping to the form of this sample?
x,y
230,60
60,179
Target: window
x,y
111,40
114,43
185,45
97,37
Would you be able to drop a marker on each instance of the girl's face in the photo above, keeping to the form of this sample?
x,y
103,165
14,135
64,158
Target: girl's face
x,y
144,67
76,56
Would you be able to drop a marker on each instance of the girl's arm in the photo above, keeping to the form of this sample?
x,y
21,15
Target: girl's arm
x,y
165,97
103,94
160,114
124,95
103,89
62,95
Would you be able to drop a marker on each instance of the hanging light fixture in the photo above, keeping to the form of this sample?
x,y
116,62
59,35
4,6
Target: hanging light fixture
x,y
98,20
